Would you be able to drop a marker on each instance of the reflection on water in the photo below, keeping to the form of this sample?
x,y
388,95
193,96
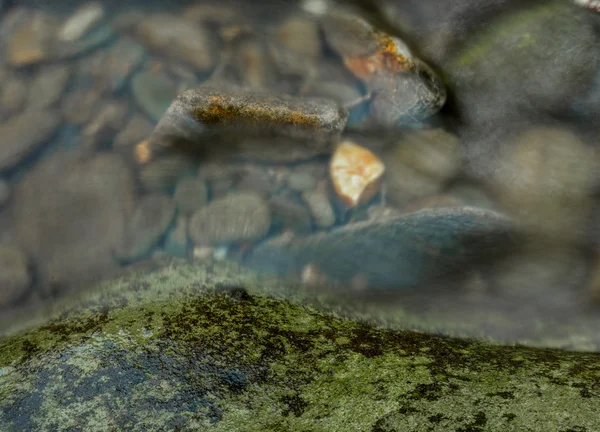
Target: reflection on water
x,y
450,171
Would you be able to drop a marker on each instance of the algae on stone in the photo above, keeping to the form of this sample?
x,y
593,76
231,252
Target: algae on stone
x,y
204,348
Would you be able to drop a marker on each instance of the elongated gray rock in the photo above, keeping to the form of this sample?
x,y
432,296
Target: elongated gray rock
x,y
393,253
235,122
202,348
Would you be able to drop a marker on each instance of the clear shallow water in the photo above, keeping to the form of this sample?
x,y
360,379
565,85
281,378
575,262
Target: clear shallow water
x,y
87,196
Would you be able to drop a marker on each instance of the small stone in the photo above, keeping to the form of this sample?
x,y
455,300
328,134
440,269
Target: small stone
x,y
4,193
112,68
95,38
99,132
235,218
180,40
48,86
256,180
253,64
300,35
161,175
545,179
301,181
287,215
137,129
79,106
13,96
149,222
24,133
82,21
31,42
190,195
421,163
142,153
176,243
15,278
153,90
320,208
355,173
203,253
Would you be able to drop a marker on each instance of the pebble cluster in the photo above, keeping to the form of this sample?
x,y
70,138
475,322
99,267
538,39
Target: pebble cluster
x,y
217,130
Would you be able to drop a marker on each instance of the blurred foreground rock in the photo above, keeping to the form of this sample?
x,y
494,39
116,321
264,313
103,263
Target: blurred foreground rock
x,y
203,348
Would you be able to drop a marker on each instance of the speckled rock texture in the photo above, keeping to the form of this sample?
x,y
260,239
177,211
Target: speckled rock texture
x,y
205,348
237,121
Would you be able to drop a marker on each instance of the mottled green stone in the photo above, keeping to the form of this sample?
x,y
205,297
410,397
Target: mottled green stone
x,y
208,348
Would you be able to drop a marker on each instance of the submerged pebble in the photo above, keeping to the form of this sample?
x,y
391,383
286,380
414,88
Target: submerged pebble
x,y
235,218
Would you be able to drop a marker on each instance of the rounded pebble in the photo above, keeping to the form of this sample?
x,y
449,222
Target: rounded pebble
x,y
235,218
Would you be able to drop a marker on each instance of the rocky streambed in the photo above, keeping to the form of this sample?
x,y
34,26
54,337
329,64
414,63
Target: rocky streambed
x,y
373,168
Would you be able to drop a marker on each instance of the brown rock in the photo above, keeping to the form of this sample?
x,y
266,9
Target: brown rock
x,y
137,129
23,133
13,96
320,208
70,214
48,86
190,195
180,40
32,40
236,218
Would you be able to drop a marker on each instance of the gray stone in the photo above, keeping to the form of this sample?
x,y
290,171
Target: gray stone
x,y
137,129
4,193
420,164
301,181
15,277
396,253
289,215
180,40
48,86
150,220
235,218
257,180
153,91
99,132
320,208
190,195
111,69
79,106
23,133
70,214
81,21
12,96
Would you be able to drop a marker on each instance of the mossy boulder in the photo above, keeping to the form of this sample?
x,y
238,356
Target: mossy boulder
x,y
214,347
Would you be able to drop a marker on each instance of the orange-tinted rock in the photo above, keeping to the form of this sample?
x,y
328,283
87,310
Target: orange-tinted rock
x,y
355,173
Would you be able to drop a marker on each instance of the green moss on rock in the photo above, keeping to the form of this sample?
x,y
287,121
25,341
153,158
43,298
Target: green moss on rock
x,y
204,348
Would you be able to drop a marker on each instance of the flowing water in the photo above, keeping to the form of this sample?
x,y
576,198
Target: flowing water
x,y
426,167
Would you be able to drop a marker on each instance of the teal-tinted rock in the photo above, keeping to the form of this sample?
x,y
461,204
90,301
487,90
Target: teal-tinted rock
x,y
395,252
